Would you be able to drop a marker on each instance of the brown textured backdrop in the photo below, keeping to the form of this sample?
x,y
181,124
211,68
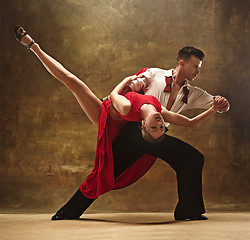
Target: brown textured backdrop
x,y
48,144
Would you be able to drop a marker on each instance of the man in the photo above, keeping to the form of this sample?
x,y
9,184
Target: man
x,y
170,87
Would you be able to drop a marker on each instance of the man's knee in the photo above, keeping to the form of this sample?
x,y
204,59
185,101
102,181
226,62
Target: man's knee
x,y
199,159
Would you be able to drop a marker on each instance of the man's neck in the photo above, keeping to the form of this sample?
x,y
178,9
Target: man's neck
x,y
178,78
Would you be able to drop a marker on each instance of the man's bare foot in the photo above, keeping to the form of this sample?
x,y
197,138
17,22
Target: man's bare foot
x,y
23,37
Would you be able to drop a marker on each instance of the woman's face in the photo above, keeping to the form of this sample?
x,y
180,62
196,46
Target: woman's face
x,y
154,125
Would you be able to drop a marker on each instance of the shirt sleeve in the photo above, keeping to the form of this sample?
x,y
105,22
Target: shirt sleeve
x,y
199,98
141,84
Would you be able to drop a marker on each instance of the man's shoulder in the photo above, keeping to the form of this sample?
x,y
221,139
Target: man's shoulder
x,y
197,92
166,72
194,88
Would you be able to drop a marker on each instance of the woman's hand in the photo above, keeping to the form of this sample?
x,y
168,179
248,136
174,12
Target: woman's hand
x,y
120,87
223,105
218,103
129,79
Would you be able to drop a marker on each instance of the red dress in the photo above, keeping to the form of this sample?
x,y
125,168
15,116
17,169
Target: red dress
x,y
101,179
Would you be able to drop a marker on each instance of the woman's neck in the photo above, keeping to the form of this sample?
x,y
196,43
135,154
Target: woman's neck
x,y
147,109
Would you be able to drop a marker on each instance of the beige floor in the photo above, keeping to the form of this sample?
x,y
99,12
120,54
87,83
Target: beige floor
x,y
129,226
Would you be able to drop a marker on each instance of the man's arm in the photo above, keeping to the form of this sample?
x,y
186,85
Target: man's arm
x,y
201,99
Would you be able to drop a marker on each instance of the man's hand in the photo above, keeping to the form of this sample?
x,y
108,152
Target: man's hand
x,y
223,104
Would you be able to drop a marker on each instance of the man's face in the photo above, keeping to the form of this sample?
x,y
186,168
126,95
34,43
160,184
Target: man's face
x,y
191,67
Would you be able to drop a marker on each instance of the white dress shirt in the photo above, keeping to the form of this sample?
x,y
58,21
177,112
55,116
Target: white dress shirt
x,y
154,84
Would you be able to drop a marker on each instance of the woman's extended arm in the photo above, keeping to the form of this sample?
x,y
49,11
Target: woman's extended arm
x,y
121,104
181,120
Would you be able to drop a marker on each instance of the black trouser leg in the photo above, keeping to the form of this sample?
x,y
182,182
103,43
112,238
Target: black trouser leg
x,y
188,164
123,158
183,158
128,147
77,204
190,202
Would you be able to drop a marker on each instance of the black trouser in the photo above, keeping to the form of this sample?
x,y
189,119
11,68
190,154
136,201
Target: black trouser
x,y
183,158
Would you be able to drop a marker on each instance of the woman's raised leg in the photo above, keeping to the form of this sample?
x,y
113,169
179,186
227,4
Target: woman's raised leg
x,y
90,104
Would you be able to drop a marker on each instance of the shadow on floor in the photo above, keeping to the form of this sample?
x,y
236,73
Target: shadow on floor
x,y
128,222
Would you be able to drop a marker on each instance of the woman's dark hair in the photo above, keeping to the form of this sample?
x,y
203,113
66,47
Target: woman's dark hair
x,y
186,53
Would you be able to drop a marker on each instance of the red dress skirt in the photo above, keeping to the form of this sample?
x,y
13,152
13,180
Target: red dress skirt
x,y
101,179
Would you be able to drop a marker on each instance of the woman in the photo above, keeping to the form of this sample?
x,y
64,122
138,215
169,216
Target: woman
x,y
110,116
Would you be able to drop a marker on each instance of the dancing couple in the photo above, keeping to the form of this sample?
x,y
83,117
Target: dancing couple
x,y
132,123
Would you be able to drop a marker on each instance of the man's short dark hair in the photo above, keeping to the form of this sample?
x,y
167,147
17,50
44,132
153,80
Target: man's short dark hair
x,y
186,53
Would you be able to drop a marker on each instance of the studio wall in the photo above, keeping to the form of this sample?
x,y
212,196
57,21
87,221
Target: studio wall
x,y
48,144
